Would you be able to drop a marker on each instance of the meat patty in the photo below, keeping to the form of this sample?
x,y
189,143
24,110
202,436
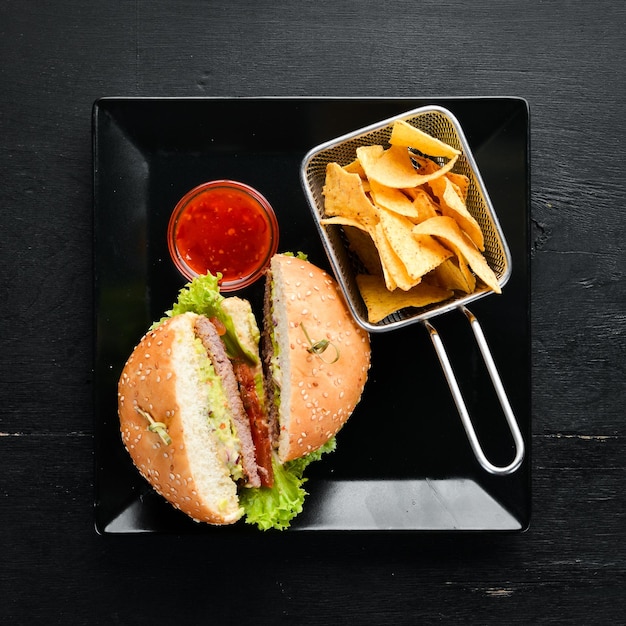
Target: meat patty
x,y
211,341
272,391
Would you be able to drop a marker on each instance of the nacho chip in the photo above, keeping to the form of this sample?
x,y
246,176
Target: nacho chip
x,y
355,167
394,271
381,302
460,182
423,204
393,200
468,276
453,206
403,134
362,244
446,228
425,166
453,274
345,197
394,167
366,156
340,220
418,254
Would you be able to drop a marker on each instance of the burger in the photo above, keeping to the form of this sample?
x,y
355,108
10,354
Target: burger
x,y
223,419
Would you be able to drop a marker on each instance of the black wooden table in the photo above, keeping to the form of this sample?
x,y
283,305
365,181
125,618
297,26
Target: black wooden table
x,y
565,60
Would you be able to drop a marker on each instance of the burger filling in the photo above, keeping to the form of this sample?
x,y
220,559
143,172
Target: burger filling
x,y
218,418
271,364
230,404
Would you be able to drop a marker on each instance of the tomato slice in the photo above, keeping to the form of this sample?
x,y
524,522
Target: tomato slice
x,y
219,326
259,425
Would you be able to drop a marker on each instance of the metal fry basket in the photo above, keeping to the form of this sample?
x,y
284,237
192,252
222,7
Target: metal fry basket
x,y
440,123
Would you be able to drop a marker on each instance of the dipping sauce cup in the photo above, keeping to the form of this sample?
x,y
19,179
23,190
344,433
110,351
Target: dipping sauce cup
x,y
223,226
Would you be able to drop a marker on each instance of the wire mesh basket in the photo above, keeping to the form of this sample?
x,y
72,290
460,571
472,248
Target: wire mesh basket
x,y
441,124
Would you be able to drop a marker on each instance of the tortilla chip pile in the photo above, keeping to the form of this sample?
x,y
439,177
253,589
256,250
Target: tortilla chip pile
x,y
405,216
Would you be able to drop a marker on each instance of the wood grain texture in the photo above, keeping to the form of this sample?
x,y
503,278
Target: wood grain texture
x,y
564,58
565,566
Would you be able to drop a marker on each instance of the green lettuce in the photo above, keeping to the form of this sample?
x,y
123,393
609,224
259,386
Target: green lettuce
x,y
276,506
202,296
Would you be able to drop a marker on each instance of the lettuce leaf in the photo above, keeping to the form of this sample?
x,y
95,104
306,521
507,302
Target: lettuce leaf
x,y
202,296
303,256
275,507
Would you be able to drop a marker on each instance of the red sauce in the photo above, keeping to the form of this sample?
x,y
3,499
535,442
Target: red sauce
x,y
226,228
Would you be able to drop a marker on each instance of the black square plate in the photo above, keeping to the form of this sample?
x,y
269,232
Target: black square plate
x,y
403,461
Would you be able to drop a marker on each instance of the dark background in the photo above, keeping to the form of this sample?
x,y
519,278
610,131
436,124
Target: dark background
x,y
566,59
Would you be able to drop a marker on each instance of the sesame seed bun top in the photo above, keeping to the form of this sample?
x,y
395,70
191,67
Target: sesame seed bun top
x,y
318,392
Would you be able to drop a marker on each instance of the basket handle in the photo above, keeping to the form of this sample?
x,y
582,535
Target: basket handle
x,y
460,403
